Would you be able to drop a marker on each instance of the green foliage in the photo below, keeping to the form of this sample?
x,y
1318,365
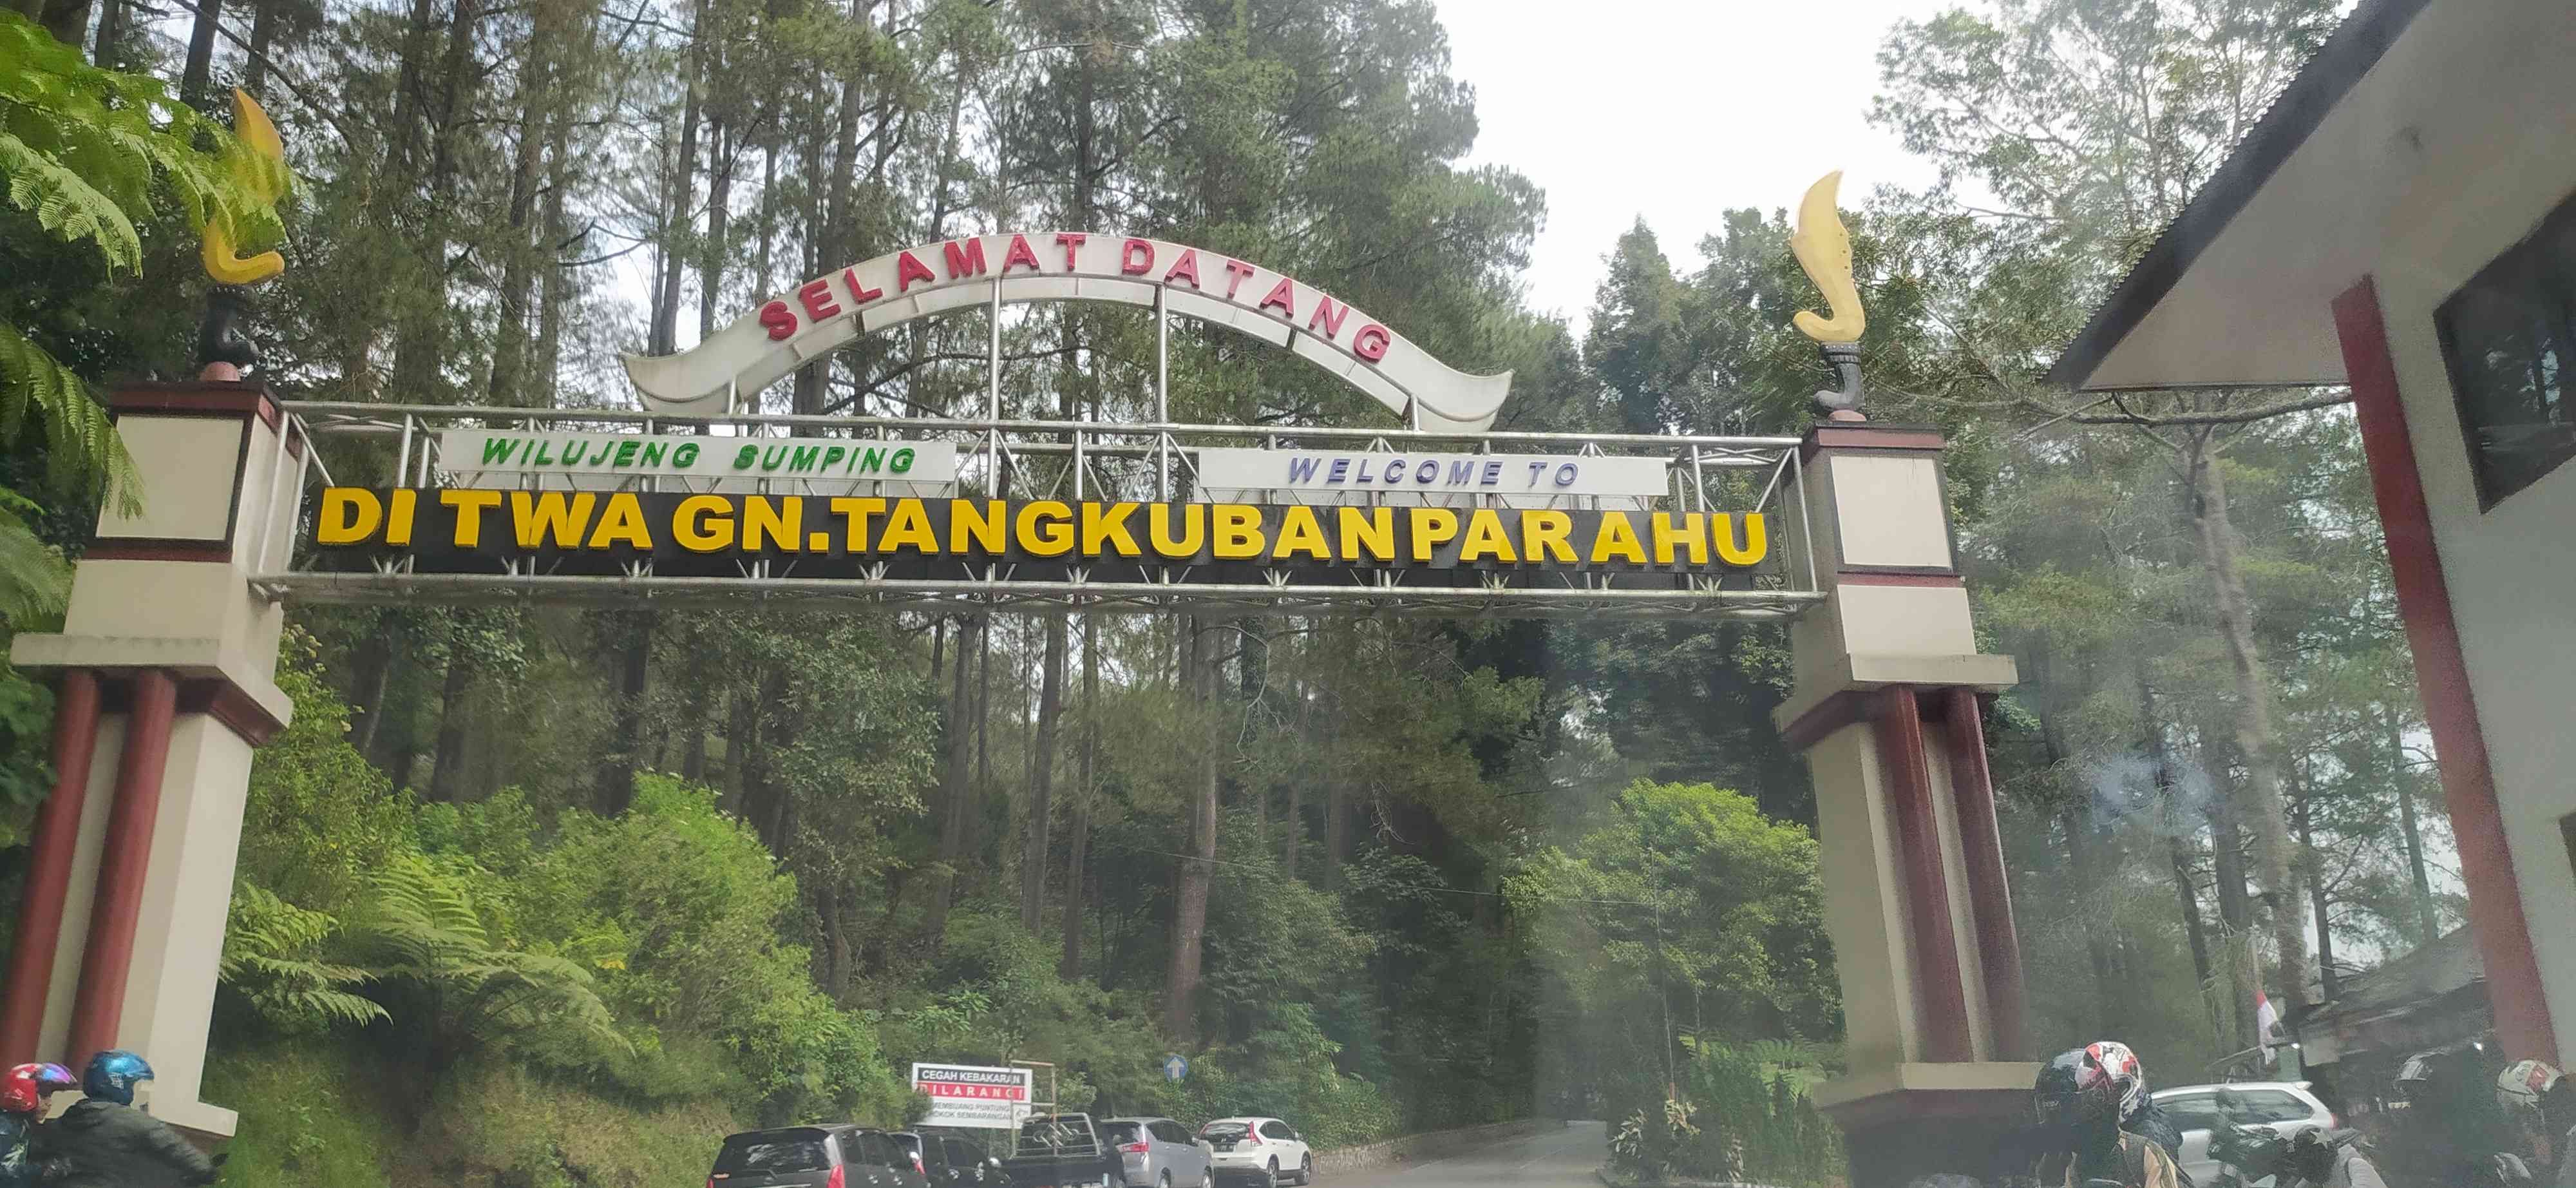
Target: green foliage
x,y
272,957
1740,1118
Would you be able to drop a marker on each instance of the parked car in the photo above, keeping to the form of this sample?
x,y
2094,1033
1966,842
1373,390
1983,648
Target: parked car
x,y
2282,1107
814,1157
1159,1153
1060,1151
947,1161
1262,1149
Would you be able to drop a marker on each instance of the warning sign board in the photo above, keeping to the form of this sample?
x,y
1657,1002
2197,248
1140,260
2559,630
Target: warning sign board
x,y
972,1096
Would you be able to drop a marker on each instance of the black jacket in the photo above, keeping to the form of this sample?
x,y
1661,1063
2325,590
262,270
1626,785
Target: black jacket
x,y
100,1144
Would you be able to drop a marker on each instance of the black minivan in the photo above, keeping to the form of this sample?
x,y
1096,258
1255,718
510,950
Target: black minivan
x,y
814,1157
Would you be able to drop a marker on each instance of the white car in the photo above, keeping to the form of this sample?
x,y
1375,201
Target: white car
x,y
1263,1149
2283,1107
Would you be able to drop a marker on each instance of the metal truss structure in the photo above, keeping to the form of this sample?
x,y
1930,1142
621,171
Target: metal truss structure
x,y
1092,460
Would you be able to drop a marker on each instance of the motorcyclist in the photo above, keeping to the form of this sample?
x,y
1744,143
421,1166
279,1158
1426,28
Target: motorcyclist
x,y
2139,1114
2330,1159
2079,1100
22,1103
2449,1133
104,1142
2541,1104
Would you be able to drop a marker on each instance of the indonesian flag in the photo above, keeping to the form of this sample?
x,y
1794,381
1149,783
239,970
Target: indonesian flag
x,y
2267,1023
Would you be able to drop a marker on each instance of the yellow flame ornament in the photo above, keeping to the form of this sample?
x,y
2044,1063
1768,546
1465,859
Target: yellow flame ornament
x,y
258,160
1823,248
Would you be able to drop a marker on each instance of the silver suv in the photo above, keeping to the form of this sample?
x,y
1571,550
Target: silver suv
x,y
1158,1153
2283,1107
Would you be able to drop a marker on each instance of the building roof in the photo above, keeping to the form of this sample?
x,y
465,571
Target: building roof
x,y
2425,977
2417,135
2354,48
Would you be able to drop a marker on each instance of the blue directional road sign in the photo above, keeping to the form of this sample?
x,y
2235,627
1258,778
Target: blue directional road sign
x,y
1175,1067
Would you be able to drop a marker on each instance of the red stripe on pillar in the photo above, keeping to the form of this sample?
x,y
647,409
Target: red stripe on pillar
x,y
1981,846
1942,1004
2450,708
122,864
49,870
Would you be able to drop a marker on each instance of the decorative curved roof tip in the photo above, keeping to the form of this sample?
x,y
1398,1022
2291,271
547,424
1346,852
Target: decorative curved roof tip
x,y
799,327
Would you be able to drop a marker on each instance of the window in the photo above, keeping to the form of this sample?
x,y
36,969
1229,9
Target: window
x,y
874,1149
2270,1105
2198,1111
773,1151
2508,337
1121,1133
1277,1130
1171,1132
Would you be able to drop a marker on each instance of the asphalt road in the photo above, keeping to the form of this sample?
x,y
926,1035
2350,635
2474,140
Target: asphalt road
x,y
1549,1159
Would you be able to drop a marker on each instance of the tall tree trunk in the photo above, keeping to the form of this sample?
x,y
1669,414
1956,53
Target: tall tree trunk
x,y
1033,848
111,30
194,77
954,782
665,333
1190,900
1070,966
373,660
2179,829
711,255
510,341
631,633
2257,742
263,30
447,762
2428,922
2326,977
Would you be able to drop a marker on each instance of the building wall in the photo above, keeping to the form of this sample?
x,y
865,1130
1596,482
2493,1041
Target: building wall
x,y
2512,570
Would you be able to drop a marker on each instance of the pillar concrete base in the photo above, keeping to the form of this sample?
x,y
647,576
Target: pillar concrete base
x,y
1915,1120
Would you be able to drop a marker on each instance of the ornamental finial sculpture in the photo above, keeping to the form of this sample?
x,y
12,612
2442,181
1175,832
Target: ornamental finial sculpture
x,y
1823,248
257,160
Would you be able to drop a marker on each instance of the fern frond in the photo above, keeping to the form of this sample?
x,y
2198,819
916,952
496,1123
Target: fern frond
x,y
35,581
66,204
82,449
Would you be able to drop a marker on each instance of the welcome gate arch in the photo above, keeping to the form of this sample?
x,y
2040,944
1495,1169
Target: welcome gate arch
x,y
166,662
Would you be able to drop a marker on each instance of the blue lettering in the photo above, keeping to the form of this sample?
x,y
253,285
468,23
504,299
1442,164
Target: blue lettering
x,y
1395,470
1302,470
1462,472
1565,475
1341,469
1493,472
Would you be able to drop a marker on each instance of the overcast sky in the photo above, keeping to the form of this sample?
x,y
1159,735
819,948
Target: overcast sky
x,y
1675,110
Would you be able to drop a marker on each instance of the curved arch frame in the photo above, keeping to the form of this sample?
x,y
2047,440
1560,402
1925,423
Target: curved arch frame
x,y
820,316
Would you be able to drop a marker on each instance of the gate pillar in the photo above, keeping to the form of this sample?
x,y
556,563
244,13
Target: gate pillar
x,y
165,664
1886,708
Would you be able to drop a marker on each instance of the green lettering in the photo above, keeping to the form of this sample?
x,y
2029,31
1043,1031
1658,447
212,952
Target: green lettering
x,y
902,460
653,451
686,456
497,449
625,455
803,459
871,460
832,457
749,455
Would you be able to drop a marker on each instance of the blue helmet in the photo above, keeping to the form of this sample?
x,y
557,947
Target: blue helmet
x,y
111,1076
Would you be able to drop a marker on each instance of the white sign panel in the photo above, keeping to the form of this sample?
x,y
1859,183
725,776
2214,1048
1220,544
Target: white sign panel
x,y
614,461
1402,479
973,1096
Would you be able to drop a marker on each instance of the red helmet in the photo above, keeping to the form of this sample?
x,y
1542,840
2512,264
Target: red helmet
x,y
2074,1088
23,1089
2115,1059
